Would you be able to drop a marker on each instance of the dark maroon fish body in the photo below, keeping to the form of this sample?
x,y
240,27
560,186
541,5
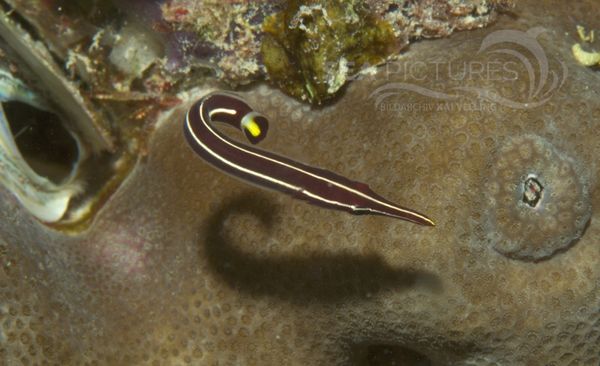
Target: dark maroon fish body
x,y
314,185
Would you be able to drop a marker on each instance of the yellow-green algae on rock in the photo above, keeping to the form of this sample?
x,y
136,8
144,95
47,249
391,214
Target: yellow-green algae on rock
x,y
311,47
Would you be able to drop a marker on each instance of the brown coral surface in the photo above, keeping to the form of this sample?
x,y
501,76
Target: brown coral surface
x,y
186,265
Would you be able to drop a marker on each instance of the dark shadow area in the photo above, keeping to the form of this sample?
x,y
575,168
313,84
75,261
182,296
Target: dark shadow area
x,y
416,354
299,279
384,355
46,145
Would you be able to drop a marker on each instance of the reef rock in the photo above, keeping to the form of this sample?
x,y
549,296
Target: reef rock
x,y
493,133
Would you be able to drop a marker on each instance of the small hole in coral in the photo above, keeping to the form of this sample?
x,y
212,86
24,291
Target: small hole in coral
x,y
392,8
532,191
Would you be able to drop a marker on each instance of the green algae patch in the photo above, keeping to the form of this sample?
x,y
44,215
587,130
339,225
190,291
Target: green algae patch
x,y
311,48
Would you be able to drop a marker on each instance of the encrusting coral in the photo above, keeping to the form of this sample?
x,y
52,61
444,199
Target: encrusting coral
x,y
186,265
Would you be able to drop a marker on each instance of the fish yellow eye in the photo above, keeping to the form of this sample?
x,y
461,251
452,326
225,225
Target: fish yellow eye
x,y
251,126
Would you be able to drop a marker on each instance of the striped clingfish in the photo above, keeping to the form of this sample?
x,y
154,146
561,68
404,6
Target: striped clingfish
x,y
317,186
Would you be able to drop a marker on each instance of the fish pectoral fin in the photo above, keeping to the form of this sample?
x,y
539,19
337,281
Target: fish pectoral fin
x,y
359,210
300,194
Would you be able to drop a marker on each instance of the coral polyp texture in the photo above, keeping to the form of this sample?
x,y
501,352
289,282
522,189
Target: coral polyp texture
x,y
492,132
538,197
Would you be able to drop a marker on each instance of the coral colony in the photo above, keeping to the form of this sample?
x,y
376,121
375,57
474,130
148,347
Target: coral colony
x,y
120,246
